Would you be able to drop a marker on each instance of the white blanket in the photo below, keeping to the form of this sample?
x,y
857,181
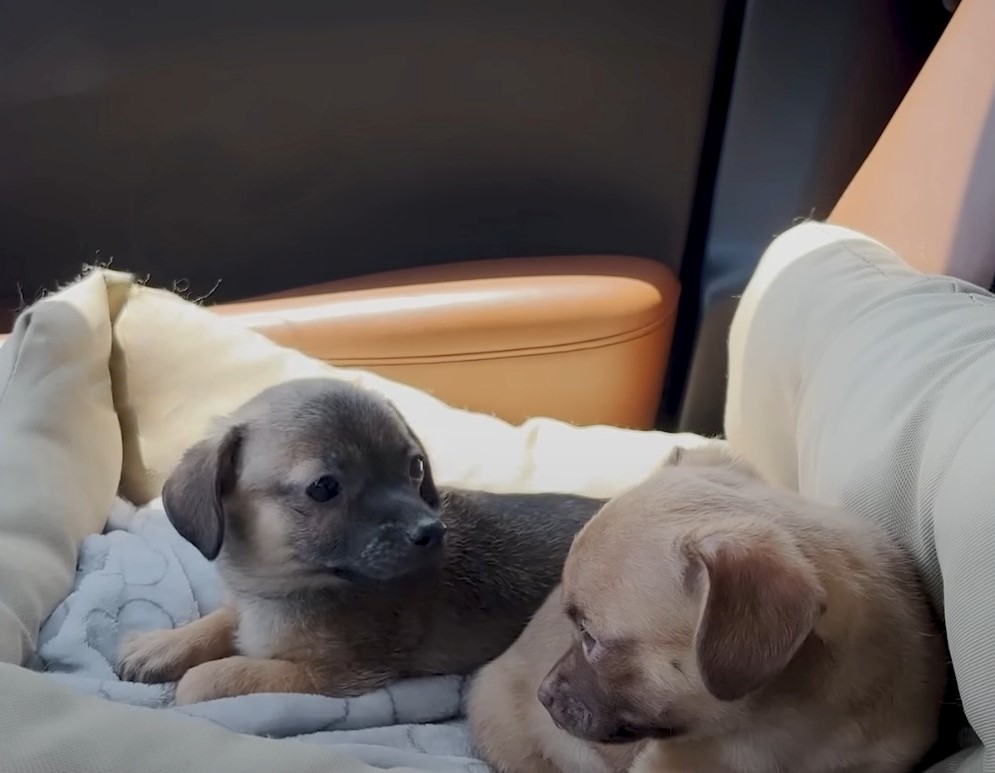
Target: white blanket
x,y
140,574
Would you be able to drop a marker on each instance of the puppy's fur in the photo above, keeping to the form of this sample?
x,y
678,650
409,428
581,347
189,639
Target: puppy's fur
x,y
709,622
346,568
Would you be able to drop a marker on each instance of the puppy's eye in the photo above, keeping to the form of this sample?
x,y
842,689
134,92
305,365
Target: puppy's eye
x,y
589,643
417,467
323,489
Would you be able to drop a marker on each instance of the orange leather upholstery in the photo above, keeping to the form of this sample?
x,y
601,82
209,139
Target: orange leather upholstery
x,y
584,339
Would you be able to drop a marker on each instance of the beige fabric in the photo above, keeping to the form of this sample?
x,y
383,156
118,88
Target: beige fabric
x,y
860,382
169,366
180,365
57,477
45,728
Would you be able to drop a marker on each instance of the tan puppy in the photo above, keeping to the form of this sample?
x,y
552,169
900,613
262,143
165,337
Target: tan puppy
x,y
708,622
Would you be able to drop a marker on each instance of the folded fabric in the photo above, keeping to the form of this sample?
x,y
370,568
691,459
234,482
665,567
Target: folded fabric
x,y
169,350
60,454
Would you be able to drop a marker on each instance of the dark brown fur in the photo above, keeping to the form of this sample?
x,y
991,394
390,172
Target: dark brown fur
x,y
331,597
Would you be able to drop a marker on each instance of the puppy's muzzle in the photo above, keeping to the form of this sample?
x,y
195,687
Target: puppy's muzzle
x,y
567,711
402,546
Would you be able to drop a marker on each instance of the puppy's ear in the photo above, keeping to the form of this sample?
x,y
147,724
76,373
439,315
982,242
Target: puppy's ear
x,y
193,496
429,493
762,600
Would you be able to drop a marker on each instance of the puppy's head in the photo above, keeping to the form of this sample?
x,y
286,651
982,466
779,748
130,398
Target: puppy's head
x,y
310,483
684,604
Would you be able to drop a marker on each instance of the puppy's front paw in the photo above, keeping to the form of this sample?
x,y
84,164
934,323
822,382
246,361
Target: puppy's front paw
x,y
154,657
240,675
203,683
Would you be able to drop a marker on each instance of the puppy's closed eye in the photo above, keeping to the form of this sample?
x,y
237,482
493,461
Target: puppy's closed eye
x,y
592,649
324,489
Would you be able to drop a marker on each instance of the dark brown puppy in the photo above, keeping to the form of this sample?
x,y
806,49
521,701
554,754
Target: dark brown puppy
x,y
346,568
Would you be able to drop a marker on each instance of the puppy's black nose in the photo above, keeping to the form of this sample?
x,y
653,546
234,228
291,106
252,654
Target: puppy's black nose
x,y
427,533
